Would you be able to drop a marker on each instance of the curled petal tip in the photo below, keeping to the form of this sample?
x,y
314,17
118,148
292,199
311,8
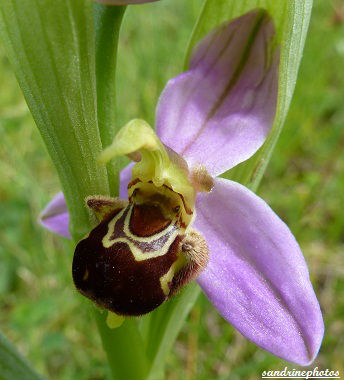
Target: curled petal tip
x,y
257,277
221,110
55,216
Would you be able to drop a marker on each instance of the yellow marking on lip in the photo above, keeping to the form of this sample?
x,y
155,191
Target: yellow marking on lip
x,y
168,277
87,273
141,256
136,252
106,239
114,320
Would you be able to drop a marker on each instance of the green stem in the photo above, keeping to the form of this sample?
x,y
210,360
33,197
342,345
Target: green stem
x,y
124,348
108,20
123,345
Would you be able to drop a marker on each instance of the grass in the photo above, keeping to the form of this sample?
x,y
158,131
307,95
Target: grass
x,y
40,310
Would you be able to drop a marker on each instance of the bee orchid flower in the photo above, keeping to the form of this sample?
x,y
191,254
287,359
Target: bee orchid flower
x,y
209,119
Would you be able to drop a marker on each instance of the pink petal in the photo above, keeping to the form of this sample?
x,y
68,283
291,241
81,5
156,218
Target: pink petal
x,y
220,111
55,216
125,178
124,2
257,277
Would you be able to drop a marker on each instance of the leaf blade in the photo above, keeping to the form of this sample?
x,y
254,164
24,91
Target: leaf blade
x,y
51,48
164,327
13,365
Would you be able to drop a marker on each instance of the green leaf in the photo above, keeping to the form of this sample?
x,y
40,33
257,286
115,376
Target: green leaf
x,y
164,326
62,63
291,20
13,365
50,45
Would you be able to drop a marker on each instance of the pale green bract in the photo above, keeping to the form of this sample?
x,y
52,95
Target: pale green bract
x,y
155,164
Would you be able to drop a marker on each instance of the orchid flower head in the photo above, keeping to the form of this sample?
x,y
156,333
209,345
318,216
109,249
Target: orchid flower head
x,y
246,260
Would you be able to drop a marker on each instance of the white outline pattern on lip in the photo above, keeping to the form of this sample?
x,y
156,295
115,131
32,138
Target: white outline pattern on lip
x,y
171,230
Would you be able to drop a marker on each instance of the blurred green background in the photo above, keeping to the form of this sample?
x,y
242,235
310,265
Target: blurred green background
x,y
40,310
